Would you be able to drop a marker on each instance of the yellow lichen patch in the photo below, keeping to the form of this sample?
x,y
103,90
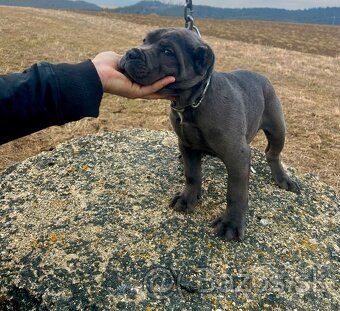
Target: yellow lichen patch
x,y
85,167
309,244
56,237
254,304
75,151
214,301
148,309
260,253
228,303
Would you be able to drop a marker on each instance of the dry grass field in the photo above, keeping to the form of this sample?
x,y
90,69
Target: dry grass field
x,y
315,39
302,61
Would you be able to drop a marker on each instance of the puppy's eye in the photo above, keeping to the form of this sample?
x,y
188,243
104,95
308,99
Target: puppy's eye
x,y
168,52
144,40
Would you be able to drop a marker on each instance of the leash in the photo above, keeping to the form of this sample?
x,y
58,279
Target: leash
x,y
188,17
189,24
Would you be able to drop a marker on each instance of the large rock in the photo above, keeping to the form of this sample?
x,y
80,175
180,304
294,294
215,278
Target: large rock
x,y
87,227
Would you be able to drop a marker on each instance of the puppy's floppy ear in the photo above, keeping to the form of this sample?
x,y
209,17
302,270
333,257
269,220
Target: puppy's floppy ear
x,y
203,59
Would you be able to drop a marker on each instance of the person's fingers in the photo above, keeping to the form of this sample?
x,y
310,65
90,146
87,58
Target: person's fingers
x,y
153,88
157,96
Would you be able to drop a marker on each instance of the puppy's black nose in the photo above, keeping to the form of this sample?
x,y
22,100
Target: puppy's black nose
x,y
134,54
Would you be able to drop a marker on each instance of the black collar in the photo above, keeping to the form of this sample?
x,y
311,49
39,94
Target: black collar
x,y
196,103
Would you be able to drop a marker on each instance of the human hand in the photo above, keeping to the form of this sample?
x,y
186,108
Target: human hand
x,y
116,83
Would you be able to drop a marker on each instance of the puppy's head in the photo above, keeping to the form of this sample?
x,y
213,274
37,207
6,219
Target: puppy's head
x,y
177,52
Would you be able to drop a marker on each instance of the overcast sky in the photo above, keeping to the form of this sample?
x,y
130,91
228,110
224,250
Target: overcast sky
x,y
286,4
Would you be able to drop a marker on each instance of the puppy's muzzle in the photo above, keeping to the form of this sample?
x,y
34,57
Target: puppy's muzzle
x,y
135,54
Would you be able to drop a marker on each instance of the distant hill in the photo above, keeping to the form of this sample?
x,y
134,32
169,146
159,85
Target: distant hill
x,y
55,4
328,16
113,3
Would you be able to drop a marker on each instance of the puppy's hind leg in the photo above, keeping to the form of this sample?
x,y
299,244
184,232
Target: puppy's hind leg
x,y
274,129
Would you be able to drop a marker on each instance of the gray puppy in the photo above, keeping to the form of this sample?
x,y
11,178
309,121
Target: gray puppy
x,y
213,113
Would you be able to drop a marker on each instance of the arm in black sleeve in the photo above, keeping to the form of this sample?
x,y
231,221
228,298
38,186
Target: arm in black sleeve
x,y
46,95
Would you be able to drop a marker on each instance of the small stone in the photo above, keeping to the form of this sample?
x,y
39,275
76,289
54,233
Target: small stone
x,y
266,222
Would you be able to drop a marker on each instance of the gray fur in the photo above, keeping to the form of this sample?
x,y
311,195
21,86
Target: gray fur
x,y
235,106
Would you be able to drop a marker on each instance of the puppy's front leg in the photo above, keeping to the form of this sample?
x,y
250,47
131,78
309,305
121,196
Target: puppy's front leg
x,y
231,224
186,200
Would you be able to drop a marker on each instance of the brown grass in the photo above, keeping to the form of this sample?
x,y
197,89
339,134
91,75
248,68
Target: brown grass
x,y
308,84
314,39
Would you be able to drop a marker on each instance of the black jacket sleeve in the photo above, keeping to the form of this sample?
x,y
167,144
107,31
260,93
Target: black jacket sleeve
x,y
46,95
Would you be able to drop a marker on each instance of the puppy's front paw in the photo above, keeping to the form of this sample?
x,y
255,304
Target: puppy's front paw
x,y
184,203
293,186
288,184
228,228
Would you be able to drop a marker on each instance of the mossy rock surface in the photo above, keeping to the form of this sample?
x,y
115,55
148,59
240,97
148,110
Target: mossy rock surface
x,y
87,227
